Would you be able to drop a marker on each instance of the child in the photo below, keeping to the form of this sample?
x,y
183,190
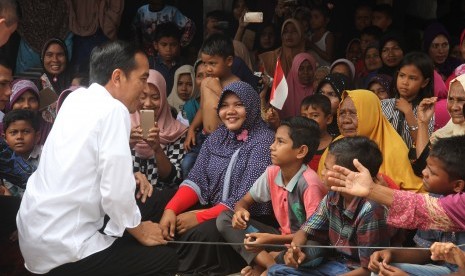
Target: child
x,y
22,135
318,108
321,40
182,91
443,175
382,17
340,220
381,85
293,189
414,82
167,43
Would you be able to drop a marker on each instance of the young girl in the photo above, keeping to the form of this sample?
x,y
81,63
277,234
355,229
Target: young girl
x,y
182,91
381,86
321,40
413,83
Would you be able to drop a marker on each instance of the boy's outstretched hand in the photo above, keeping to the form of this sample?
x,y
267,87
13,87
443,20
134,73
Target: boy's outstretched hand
x,y
294,256
354,183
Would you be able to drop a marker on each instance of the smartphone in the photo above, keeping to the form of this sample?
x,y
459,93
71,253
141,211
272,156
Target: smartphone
x,y
253,17
147,120
251,229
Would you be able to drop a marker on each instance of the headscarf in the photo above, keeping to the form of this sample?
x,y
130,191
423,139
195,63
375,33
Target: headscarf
x,y
285,54
373,124
207,177
383,80
173,98
63,80
346,62
170,129
450,129
339,82
297,91
441,115
19,87
392,36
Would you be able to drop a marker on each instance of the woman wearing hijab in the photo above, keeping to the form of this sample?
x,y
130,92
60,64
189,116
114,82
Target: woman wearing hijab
x,y
293,43
392,50
230,161
161,164
55,61
183,89
360,114
300,84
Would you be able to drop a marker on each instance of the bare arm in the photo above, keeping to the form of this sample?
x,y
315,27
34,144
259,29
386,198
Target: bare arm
x,y
424,114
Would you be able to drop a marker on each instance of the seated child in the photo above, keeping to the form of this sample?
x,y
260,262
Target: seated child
x,y
22,135
293,188
318,107
340,220
443,175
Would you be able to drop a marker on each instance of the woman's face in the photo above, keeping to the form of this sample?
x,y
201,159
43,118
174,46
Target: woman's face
x,y
267,38
290,36
392,54
354,52
347,118
28,100
185,86
455,102
439,49
373,60
232,112
306,73
379,90
329,92
55,59
150,98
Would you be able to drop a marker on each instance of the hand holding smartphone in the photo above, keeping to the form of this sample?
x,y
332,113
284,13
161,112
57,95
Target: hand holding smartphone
x,y
147,121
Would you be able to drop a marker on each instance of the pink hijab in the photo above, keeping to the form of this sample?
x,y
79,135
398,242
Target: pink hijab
x,y
441,115
170,129
297,91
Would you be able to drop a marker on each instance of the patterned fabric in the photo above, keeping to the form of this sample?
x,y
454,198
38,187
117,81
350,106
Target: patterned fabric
x,y
175,153
208,174
394,117
12,167
409,210
361,223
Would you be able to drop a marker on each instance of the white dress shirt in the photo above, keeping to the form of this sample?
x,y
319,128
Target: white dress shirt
x,y
85,172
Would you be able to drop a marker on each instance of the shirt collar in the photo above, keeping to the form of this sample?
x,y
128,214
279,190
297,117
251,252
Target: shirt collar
x,y
35,153
159,60
336,199
293,182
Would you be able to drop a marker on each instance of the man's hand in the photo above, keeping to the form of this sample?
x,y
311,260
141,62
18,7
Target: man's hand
x,y
294,256
136,136
448,252
153,138
168,224
240,219
354,183
145,189
378,257
148,233
185,221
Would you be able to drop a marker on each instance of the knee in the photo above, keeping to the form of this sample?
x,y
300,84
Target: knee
x,y
224,221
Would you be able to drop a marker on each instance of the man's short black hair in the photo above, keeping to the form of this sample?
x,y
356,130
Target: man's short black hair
x,y
303,131
21,115
451,152
367,152
318,101
218,45
110,56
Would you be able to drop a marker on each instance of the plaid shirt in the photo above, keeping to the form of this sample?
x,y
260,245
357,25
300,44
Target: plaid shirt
x,y
362,223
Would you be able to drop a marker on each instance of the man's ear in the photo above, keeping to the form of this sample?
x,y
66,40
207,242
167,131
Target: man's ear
x,y
116,76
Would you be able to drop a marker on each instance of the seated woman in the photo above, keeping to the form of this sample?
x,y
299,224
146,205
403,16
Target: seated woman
x,y
183,87
161,164
230,161
360,114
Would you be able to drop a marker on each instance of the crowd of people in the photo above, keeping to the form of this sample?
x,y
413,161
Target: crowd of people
x,y
365,153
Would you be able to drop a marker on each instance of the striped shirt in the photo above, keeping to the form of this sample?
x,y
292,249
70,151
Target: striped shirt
x,y
361,223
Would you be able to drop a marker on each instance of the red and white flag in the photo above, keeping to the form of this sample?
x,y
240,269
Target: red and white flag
x,y
279,89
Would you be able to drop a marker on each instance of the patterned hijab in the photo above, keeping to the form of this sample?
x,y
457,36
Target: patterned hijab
x,y
297,91
373,124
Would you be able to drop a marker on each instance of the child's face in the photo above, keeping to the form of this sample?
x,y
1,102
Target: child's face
x,y
200,74
392,54
267,38
216,66
410,81
282,152
455,102
168,48
436,179
185,86
290,36
21,137
330,161
379,90
362,18
329,92
54,59
232,112
305,73
317,20
373,60
381,21
347,119
316,113
150,98
365,40
28,100
439,49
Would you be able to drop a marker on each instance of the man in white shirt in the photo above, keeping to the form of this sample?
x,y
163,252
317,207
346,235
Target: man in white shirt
x,y
85,173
